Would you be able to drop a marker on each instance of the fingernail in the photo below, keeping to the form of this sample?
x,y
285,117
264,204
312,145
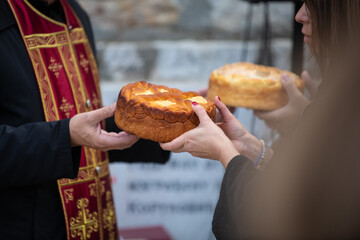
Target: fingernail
x,y
285,78
194,103
219,98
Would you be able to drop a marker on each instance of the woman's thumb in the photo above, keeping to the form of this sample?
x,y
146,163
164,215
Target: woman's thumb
x,y
200,112
310,84
226,115
290,88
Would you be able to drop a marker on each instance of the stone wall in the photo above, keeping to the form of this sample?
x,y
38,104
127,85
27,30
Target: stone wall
x,y
144,20
182,40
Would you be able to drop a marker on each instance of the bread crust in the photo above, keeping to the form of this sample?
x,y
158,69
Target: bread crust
x,y
251,86
157,112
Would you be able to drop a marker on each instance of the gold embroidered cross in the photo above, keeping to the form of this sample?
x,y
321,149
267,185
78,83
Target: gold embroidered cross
x,y
66,107
85,223
55,67
84,63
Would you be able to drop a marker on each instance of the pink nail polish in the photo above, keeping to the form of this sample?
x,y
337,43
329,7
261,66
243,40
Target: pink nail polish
x,y
285,78
194,103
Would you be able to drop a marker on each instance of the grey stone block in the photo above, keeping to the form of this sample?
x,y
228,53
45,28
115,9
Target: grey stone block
x,y
179,61
138,20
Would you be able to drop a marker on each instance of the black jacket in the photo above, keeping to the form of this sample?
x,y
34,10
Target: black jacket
x,y
231,206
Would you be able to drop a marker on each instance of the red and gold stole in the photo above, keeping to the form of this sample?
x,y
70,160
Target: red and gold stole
x,y
68,81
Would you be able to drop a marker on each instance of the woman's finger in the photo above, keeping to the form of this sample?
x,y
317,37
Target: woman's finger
x,y
309,83
201,113
290,88
224,110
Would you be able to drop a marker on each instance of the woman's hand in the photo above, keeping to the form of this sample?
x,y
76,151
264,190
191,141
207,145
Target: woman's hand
x,y
244,142
203,92
85,130
205,141
286,118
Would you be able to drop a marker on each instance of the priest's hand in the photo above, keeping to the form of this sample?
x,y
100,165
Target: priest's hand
x,y
205,141
85,130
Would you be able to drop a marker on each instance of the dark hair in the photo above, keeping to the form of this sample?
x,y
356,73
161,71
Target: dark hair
x,y
335,23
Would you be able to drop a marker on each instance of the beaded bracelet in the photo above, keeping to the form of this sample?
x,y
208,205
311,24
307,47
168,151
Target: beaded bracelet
x,y
262,153
265,153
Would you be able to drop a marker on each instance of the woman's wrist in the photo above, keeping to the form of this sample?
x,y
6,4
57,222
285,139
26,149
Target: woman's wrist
x,y
252,147
227,153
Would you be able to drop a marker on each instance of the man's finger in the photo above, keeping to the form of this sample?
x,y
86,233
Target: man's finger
x,y
309,83
102,113
119,134
116,142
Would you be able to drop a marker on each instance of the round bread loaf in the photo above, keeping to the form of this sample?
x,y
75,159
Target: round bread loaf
x,y
251,86
157,112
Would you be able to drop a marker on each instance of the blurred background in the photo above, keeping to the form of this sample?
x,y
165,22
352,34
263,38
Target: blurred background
x,y
179,43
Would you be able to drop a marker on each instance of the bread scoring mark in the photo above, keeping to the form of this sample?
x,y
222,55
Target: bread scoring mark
x,y
262,73
163,103
198,99
147,92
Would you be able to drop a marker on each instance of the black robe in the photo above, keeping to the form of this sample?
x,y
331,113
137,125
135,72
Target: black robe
x,y
35,153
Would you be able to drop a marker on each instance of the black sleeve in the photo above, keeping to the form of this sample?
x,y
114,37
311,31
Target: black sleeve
x,y
37,152
145,151
231,204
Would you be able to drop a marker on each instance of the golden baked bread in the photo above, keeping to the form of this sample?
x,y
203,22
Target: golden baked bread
x,y
251,86
157,112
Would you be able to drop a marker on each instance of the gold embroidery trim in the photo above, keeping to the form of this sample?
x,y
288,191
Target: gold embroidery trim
x,y
84,63
57,39
69,195
94,70
69,66
96,101
87,175
47,95
109,217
